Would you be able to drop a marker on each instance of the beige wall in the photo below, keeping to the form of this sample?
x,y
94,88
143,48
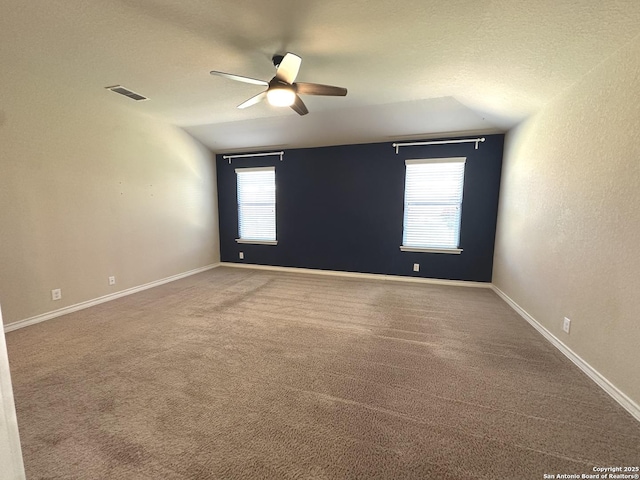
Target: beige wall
x,y
569,219
90,188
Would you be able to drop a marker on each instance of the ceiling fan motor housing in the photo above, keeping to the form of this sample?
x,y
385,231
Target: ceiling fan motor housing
x,y
277,83
277,59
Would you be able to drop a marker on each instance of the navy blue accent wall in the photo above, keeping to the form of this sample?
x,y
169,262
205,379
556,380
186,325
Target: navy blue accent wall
x,y
341,208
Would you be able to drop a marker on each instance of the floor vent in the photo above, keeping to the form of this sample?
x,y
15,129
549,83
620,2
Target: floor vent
x,y
127,93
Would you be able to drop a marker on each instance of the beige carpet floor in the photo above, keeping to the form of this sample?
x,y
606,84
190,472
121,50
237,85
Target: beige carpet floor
x,y
245,374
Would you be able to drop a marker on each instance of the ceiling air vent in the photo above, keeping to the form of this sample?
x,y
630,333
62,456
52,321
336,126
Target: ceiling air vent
x,y
127,93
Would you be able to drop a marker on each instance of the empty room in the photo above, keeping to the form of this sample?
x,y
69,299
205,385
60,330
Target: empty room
x,y
320,240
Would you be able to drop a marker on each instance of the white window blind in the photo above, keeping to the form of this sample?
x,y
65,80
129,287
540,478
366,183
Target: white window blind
x,y
433,204
256,205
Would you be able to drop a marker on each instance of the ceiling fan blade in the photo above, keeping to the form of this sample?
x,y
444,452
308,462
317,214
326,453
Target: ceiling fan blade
x,y
299,107
288,69
253,100
240,78
319,89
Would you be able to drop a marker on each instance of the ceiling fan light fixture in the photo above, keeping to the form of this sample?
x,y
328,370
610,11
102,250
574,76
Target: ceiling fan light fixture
x,y
281,97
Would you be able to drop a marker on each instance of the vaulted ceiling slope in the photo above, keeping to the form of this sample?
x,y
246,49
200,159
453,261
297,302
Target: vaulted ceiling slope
x,y
412,67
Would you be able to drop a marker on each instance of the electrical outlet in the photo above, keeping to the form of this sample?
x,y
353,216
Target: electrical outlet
x,y
416,267
56,294
112,280
566,325
241,255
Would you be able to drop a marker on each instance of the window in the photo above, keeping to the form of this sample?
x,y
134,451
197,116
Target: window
x,y
433,205
257,205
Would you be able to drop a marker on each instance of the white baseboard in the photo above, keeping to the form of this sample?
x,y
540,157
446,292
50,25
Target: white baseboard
x,y
614,392
363,276
106,298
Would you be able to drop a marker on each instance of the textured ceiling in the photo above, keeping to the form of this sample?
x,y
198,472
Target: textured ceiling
x,y
412,67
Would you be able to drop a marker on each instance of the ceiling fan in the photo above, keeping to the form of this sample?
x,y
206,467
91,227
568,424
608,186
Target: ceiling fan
x,y
282,90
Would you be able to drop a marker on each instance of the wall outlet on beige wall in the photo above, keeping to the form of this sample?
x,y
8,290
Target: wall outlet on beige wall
x,y
566,324
56,294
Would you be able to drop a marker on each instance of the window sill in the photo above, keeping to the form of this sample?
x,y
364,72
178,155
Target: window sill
x,y
453,251
256,242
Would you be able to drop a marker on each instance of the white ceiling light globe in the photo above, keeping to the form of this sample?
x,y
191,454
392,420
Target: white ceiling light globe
x,y
281,97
